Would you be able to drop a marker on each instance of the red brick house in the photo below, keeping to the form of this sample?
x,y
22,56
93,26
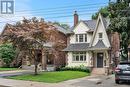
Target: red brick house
x,y
53,56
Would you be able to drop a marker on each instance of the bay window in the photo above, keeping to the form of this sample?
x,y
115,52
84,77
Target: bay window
x,y
79,56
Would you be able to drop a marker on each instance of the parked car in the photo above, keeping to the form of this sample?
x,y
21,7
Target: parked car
x,y
122,72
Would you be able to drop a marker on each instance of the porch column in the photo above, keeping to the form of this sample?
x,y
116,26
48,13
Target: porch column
x,y
44,64
107,58
92,59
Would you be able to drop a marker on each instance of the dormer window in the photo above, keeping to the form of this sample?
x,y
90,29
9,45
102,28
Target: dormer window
x,y
81,37
100,35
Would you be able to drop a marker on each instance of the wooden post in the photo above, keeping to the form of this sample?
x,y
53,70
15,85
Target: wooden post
x,y
44,65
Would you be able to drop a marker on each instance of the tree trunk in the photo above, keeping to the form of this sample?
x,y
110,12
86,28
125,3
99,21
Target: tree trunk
x,y
36,63
36,72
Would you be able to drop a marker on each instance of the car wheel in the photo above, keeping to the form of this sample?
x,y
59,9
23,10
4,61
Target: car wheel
x,y
117,81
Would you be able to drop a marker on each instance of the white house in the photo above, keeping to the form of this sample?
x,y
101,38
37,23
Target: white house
x,y
89,44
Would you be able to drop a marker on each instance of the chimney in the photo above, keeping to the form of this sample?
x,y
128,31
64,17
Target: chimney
x,y
76,18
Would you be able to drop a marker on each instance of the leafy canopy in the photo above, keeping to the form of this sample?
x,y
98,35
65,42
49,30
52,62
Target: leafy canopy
x,y
104,12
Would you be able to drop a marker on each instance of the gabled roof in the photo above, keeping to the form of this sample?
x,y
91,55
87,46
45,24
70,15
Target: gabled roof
x,y
104,23
99,44
64,31
77,47
90,23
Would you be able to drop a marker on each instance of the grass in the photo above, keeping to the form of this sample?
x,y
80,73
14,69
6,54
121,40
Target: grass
x,y
8,69
52,77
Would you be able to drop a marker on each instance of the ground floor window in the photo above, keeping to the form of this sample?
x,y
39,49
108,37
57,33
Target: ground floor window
x,y
79,56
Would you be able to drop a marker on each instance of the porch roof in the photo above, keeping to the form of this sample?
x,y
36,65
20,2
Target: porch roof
x,y
85,47
77,47
100,45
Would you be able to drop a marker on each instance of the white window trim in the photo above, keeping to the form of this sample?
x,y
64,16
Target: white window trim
x,y
99,37
77,38
78,54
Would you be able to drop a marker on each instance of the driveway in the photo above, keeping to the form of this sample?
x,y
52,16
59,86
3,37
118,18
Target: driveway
x,y
91,81
96,81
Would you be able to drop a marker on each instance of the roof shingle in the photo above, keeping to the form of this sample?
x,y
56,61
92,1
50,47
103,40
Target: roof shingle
x,y
77,47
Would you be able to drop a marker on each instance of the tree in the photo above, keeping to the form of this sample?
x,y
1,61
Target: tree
x,y
119,23
104,12
30,35
7,53
65,26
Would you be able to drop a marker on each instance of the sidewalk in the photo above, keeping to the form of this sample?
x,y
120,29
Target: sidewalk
x,y
15,72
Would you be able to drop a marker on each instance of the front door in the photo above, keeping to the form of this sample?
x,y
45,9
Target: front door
x,y
99,60
50,60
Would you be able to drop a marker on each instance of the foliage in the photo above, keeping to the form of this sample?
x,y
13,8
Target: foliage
x,y
76,68
65,26
104,12
7,53
29,36
52,77
119,23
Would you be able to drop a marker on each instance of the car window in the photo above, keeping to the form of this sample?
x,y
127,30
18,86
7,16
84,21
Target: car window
x,y
124,66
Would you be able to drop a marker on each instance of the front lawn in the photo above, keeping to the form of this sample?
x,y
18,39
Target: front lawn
x,y
8,69
52,77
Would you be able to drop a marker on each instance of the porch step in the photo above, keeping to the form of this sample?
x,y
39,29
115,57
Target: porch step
x,y
98,71
50,68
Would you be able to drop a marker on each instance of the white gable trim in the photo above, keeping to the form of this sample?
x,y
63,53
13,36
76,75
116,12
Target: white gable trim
x,y
79,23
96,28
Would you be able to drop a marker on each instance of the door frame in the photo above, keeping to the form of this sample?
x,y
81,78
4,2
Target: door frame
x,y
97,59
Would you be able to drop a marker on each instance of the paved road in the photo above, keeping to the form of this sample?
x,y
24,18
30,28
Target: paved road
x,y
99,81
15,73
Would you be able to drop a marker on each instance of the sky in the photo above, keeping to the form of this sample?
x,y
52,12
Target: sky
x,y
53,10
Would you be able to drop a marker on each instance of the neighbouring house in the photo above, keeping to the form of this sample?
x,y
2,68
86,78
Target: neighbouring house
x,y
53,57
91,45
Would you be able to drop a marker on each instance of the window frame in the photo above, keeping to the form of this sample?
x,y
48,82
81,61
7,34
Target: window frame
x,y
100,35
79,54
81,38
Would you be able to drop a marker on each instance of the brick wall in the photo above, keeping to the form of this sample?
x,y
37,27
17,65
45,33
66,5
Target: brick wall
x,y
115,47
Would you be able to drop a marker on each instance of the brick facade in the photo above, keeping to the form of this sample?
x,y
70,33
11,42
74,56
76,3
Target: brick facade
x,y
115,47
58,41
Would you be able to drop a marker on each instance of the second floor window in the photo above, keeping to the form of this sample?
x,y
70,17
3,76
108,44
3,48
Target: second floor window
x,y
100,35
81,37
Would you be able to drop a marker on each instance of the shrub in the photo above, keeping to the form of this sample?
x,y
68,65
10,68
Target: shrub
x,y
76,68
7,53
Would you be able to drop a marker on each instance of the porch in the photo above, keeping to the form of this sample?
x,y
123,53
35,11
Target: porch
x,y
48,59
100,61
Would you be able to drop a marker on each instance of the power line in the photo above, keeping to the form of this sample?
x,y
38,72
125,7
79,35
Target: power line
x,y
59,8
59,13
63,10
48,9
51,17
